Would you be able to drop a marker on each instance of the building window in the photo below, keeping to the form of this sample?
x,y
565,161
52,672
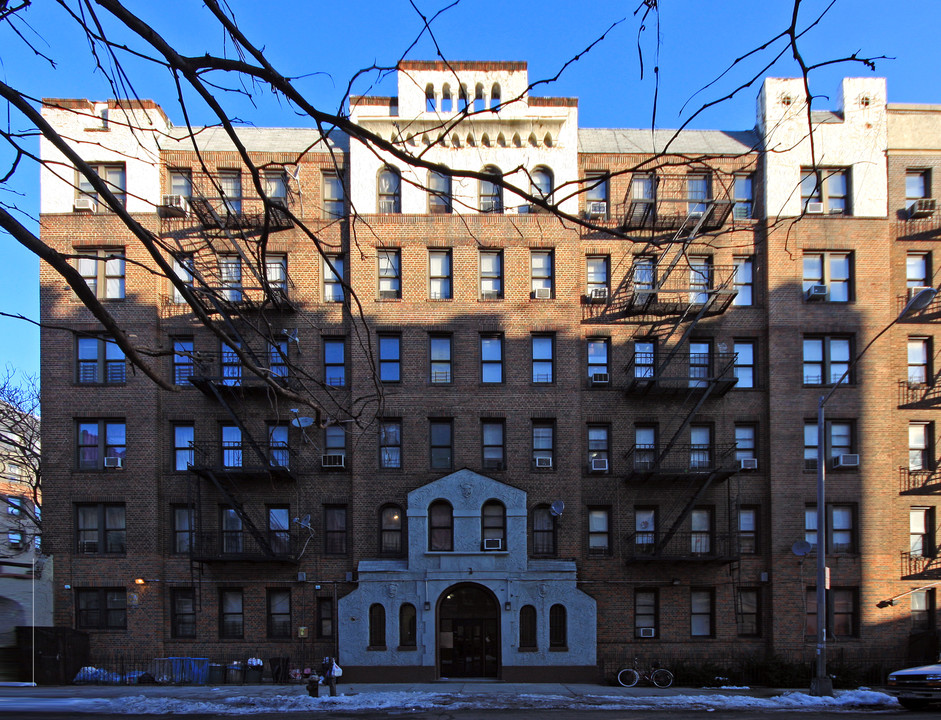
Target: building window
x,y
334,535
231,365
697,192
100,360
599,448
101,609
842,614
645,447
230,185
440,527
596,195
543,362
183,267
490,193
439,274
700,363
113,176
558,627
748,530
700,447
279,613
390,191
276,273
334,447
230,277
332,195
441,444
700,525
491,358
917,185
439,347
279,530
839,442
832,271
103,272
181,183
544,531
644,274
923,610
827,360
377,627
492,442
101,444
598,359
917,270
541,183
231,446
528,627
334,363
744,197
182,613
278,358
333,278
390,274
183,365
643,186
646,614
491,275
700,279
596,276
745,442
408,626
324,618
701,619
390,358
645,360
541,269
493,525
184,437
744,363
184,529
841,536
744,281
100,528
645,530
232,538
439,193
920,455
276,186
921,532
748,615
390,444
231,614
599,531
390,531
919,370
543,443
825,191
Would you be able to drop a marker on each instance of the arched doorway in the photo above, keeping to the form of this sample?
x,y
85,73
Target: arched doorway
x,y
468,632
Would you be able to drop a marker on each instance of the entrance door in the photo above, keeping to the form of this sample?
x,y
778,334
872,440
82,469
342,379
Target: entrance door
x,y
468,633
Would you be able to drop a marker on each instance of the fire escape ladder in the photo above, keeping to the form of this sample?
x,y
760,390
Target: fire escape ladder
x,y
681,518
194,502
245,435
686,421
247,523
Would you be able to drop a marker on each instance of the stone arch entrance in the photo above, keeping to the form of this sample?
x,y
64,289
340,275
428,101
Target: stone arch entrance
x,y
468,632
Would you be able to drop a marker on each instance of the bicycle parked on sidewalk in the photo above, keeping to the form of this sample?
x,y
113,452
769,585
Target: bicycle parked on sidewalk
x,y
629,677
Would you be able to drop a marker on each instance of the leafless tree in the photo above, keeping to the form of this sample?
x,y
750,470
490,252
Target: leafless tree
x,y
20,460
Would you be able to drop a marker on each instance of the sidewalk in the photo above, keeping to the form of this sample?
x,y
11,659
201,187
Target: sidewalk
x,y
356,697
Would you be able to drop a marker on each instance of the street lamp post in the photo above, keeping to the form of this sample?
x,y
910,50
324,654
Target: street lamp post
x,y
821,684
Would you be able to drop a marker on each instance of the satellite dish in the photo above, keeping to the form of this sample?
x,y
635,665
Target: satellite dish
x,y
556,508
302,422
304,522
801,548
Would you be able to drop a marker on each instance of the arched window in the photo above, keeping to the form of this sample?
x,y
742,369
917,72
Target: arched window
x,y
543,531
377,626
558,632
501,140
528,627
493,525
541,183
491,194
517,141
547,140
440,526
390,191
390,530
446,101
479,103
407,625
485,140
430,98
462,99
495,97
439,193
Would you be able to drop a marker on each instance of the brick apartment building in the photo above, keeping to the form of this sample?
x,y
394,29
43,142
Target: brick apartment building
x,y
545,447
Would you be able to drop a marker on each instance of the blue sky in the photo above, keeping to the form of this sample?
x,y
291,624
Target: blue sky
x,y
324,44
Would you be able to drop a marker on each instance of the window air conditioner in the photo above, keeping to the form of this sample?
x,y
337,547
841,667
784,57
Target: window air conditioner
x,y
333,461
913,291
815,208
647,632
85,204
493,464
542,293
388,294
748,463
489,295
175,206
510,210
842,461
114,462
493,544
816,293
599,378
597,209
643,464
922,208
599,294
88,547
599,465
302,577
543,462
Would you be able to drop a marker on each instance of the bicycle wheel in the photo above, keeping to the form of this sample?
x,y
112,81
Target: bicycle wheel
x,y
628,677
662,678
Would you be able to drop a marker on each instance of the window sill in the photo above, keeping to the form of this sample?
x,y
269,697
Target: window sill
x,y
559,649
376,648
527,649
407,648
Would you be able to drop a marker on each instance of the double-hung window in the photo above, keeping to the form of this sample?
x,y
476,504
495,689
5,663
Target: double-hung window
x,y
390,443
645,530
748,615
184,529
333,278
842,612
231,365
702,612
491,274
101,608
744,281
541,273
103,271
183,363
491,358
745,442
230,275
390,191
700,363
700,449
839,440
596,196
181,183
596,277
543,361
921,532
598,360
279,529
439,193
599,530
231,446
825,191
490,193
544,531
748,530
279,453
182,613
332,195
919,371
334,364
113,175
744,197
100,360
440,526
920,446
183,446
101,444
441,443
645,360
645,447
645,613
276,273
390,274
917,270
830,270
390,358
334,447
543,443
744,363
335,534
439,347
183,268
231,614
492,437
390,531
439,274
700,539
230,185
279,613
100,528
826,360
278,358
599,441
697,193
916,186
841,521
700,279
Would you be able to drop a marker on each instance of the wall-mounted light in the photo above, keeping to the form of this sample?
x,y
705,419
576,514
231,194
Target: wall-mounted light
x,y
427,605
139,581
507,606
